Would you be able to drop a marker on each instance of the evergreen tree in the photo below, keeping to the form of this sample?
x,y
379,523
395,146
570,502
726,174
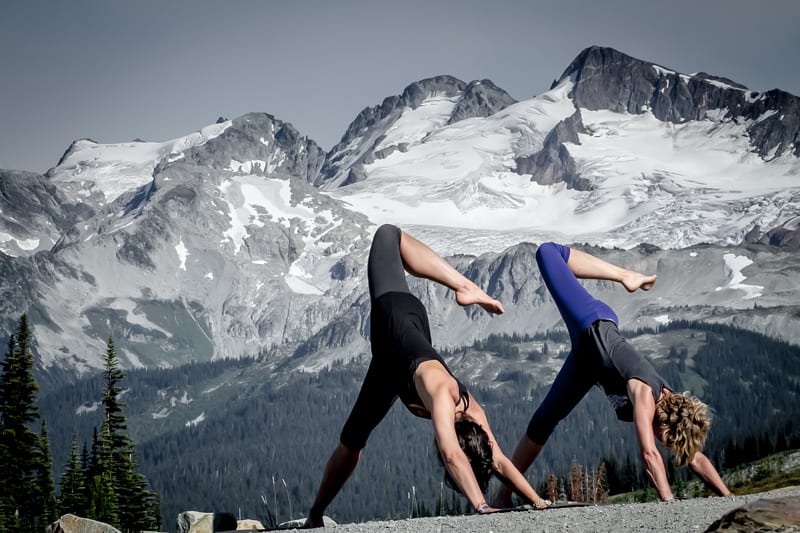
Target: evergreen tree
x,y
46,504
135,503
73,483
6,501
18,410
103,503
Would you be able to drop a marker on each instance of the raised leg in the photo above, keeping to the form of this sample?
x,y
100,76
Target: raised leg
x,y
394,251
587,266
422,262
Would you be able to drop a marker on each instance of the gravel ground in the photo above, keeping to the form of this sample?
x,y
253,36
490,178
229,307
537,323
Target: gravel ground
x,y
680,516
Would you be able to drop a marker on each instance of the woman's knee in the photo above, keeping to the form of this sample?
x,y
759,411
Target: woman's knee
x,y
387,231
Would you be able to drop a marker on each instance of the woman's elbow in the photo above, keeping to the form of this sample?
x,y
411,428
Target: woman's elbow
x,y
650,455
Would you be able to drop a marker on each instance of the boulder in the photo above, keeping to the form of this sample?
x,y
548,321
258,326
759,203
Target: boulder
x,y
199,522
248,525
779,514
69,523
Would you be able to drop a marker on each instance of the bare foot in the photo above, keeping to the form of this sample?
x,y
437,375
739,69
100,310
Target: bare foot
x,y
472,294
633,280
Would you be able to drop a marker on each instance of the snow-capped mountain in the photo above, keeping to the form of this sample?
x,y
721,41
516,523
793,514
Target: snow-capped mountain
x,y
246,238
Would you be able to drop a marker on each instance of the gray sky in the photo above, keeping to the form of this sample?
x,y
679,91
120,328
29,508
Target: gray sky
x,y
115,70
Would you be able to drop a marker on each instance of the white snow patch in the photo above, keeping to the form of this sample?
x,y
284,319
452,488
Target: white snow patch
x,y
302,287
463,175
251,198
83,409
662,319
114,169
661,71
415,124
23,244
133,315
183,253
196,421
161,413
209,276
248,166
183,400
766,114
692,254
734,264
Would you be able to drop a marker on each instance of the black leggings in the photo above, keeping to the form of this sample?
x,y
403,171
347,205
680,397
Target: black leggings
x,y
377,395
385,270
400,340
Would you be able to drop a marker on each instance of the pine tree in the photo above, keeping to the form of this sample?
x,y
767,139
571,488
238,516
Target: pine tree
x,y
18,410
135,503
73,483
7,505
46,504
104,505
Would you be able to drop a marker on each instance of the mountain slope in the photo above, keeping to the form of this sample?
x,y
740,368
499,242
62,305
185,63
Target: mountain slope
x,y
245,238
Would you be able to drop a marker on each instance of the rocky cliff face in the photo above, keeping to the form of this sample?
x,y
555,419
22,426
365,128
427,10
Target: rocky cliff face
x,y
608,79
34,213
260,144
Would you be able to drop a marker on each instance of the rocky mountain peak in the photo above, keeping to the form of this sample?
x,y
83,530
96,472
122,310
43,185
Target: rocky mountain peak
x,y
259,143
416,93
605,78
449,100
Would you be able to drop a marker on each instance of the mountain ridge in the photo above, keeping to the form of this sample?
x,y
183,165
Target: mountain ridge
x,y
246,237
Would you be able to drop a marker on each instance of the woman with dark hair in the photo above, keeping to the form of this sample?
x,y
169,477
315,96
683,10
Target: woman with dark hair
x,y
405,365
601,356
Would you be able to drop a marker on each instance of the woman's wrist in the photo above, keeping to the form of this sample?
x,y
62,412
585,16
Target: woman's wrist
x,y
482,508
668,498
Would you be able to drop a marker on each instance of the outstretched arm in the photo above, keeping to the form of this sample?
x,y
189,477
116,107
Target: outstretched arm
x,y
438,391
644,409
702,466
453,457
419,260
502,465
341,464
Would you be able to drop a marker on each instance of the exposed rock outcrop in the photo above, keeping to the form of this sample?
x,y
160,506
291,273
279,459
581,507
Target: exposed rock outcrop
x,y
553,163
608,79
199,522
779,514
69,523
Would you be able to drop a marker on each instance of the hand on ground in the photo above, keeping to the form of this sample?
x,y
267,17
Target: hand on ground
x,y
542,504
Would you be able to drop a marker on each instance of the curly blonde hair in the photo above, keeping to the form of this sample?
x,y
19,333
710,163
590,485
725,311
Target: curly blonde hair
x,y
684,424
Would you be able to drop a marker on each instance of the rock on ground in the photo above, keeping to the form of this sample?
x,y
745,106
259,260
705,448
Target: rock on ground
x,y
766,514
69,523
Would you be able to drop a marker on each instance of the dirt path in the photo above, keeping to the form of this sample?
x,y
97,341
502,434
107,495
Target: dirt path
x,y
679,517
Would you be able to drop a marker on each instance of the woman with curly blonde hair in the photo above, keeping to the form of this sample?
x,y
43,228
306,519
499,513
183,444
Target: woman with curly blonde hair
x,y
601,356
683,423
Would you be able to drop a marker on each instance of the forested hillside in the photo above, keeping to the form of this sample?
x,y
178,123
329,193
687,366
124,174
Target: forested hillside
x,y
259,449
